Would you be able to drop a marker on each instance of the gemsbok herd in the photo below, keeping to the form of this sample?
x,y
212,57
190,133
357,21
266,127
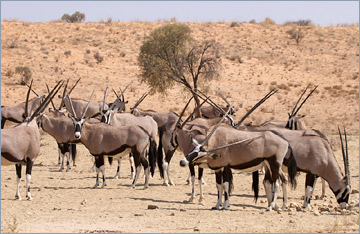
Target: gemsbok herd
x,y
208,138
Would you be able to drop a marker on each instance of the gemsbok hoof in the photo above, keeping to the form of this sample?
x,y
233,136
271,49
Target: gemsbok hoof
x,y
29,198
116,177
191,200
215,208
18,198
172,183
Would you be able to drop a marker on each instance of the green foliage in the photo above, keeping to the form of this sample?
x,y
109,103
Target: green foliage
x,y
170,56
25,72
161,54
76,17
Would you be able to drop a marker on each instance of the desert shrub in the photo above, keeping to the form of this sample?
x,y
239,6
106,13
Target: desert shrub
x,y
299,23
98,58
252,21
14,44
268,21
234,24
296,34
67,53
25,72
76,17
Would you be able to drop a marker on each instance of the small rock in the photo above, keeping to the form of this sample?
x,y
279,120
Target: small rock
x,y
182,210
298,208
138,215
172,214
324,209
6,186
317,197
83,202
262,201
291,221
354,191
330,206
196,230
316,213
152,207
262,212
293,205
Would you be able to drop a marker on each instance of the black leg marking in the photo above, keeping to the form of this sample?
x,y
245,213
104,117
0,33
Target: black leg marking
x,y
18,170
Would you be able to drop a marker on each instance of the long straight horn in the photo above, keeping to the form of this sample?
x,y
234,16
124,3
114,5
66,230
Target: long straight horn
x,y
222,96
87,105
211,102
344,155
106,92
140,100
71,105
188,118
231,144
118,97
33,90
63,95
292,112
27,101
214,128
267,96
305,100
347,171
182,112
74,86
52,103
46,101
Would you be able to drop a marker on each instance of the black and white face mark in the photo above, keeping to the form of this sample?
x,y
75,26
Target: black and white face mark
x,y
78,123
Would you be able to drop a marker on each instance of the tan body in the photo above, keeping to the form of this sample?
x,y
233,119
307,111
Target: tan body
x,y
314,156
16,113
160,118
21,144
104,140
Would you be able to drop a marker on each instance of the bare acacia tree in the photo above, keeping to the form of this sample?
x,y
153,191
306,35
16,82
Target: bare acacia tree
x,y
171,56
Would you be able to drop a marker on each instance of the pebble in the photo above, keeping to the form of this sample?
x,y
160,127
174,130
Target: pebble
x,y
290,213
298,208
83,202
182,210
196,230
138,215
293,205
354,191
262,212
292,221
172,214
316,213
152,207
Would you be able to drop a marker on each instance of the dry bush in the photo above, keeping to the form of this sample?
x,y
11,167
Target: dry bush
x,y
98,57
268,21
234,24
299,23
296,34
25,72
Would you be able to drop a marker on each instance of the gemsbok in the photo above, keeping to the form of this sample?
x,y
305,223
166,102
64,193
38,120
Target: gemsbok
x,y
16,113
21,144
102,139
227,148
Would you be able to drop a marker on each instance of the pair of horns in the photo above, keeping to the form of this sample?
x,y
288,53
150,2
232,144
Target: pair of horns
x,y
44,104
266,97
295,111
345,154
87,105
64,92
32,89
118,97
140,100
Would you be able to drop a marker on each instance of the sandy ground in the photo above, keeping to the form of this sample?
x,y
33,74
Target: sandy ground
x,y
66,201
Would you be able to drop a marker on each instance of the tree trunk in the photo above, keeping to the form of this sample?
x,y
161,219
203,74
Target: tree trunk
x,y
197,104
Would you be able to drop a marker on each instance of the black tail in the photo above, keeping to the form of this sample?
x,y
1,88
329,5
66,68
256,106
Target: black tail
x,y
152,156
231,184
255,184
110,159
73,152
292,169
160,154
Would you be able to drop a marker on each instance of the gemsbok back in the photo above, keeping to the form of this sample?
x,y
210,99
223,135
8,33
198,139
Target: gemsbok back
x,y
21,144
